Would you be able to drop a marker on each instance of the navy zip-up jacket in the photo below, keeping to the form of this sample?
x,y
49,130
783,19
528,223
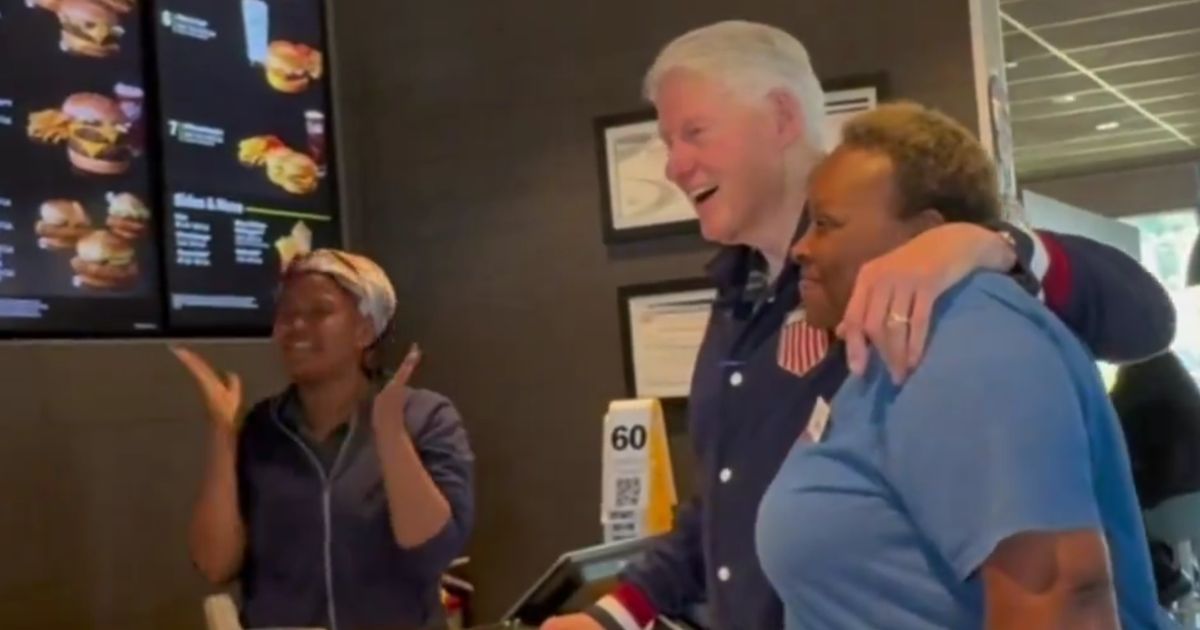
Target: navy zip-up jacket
x,y
746,412
320,550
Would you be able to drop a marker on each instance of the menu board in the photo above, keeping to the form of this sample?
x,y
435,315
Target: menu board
x,y
246,172
78,233
164,160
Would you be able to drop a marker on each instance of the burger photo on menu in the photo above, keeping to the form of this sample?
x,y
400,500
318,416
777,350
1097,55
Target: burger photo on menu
x,y
63,223
95,129
89,28
128,217
104,260
291,67
291,170
120,6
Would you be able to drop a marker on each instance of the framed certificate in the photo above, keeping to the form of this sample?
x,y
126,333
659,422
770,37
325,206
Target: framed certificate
x,y
662,327
637,199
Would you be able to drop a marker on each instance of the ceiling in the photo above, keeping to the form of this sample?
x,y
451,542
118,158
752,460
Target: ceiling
x,y
1102,84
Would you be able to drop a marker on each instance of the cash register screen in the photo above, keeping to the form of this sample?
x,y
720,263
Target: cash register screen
x,y
575,581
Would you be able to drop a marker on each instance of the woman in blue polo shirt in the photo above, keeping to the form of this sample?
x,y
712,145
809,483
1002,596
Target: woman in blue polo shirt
x,y
337,503
992,489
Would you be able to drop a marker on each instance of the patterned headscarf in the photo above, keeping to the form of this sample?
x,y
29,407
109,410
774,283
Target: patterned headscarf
x,y
360,276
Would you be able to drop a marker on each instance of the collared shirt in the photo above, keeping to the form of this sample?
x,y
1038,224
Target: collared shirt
x,y
904,492
751,395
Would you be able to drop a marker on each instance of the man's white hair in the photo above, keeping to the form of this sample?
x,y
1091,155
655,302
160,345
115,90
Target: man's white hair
x,y
752,59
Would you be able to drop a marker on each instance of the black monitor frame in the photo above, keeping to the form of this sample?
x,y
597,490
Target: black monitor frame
x,y
152,121
571,573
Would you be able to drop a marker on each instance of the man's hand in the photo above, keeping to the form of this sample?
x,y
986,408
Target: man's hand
x,y
388,412
572,622
222,395
894,294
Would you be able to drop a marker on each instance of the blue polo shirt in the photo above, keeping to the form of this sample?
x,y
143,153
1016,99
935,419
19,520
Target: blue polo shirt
x,y
882,518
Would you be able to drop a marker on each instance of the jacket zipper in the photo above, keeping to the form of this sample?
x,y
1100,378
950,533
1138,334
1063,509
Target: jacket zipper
x,y
326,512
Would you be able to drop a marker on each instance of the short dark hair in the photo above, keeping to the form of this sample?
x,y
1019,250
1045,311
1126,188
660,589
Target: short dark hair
x,y
938,163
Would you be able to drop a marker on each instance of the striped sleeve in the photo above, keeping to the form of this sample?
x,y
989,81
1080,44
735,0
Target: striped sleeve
x,y
1106,297
627,608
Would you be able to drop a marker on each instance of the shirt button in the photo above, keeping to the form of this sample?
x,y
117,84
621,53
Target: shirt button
x,y
723,574
736,379
725,475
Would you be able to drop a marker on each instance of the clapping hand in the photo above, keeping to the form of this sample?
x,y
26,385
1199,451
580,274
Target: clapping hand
x,y
222,394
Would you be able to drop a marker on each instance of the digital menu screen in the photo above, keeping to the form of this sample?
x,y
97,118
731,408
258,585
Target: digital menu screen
x,y
248,184
78,233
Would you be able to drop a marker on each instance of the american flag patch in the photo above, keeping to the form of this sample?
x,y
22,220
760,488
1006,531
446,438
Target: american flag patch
x,y
801,346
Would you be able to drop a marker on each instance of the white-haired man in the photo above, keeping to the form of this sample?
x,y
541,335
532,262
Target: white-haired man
x,y
740,109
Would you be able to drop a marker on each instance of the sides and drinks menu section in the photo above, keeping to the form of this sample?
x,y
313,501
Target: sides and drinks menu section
x,y
78,242
227,255
243,102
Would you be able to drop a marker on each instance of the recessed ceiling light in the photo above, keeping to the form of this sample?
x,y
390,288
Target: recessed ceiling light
x,y
1012,64
1108,126
1064,99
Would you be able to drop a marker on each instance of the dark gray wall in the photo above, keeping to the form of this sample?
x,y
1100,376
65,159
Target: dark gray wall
x,y
481,194
472,175
1126,192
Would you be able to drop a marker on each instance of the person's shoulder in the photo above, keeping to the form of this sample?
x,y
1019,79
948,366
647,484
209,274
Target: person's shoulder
x,y
421,398
987,329
991,352
985,290
426,408
988,312
435,423
259,418
259,412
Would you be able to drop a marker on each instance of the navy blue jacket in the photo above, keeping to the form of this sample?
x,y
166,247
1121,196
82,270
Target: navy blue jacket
x,y
745,413
320,550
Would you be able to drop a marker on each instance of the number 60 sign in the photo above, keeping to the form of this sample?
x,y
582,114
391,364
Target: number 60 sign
x,y
638,491
624,437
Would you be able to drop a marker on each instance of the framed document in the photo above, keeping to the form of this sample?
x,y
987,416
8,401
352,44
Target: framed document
x,y
662,326
637,199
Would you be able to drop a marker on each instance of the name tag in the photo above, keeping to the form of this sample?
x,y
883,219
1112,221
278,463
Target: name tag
x,y
818,422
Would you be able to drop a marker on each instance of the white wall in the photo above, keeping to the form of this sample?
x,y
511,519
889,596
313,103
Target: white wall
x,y
1051,214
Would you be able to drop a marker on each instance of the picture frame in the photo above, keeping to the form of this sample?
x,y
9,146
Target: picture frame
x,y
636,199
662,326
638,202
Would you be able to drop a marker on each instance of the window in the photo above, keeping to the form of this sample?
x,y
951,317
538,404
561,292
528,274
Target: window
x,y
1167,242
